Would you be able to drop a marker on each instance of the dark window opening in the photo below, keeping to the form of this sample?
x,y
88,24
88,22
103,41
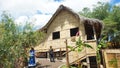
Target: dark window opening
x,y
90,37
89,31
56,35
74,31
93,62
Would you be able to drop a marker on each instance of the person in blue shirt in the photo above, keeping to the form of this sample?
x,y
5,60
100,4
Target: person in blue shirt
x,y
32,57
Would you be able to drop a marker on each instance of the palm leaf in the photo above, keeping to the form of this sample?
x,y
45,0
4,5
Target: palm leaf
x,y
71,48
88,46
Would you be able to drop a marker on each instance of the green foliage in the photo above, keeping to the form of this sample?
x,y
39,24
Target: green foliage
x,y
109,23
64,66
79,45
101,44
71,48
115,13
14,41
86,12
101,10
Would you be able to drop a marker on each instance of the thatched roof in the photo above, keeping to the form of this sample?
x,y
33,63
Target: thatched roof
x,y
97,24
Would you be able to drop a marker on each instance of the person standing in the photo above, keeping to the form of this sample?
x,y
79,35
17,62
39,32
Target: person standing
x,y
32,58
51,54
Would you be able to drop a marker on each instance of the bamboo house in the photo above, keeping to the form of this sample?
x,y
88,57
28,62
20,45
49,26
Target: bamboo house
x,y
63,26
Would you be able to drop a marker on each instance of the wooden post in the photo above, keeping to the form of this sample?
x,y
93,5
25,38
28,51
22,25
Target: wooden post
x,y
67,57
88,62
79,64
60,54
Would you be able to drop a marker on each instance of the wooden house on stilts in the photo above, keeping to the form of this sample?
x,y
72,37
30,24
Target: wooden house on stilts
x,y
64,25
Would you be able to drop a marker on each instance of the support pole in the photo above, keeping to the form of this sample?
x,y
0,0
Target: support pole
x,y
60,54
67,57
88,62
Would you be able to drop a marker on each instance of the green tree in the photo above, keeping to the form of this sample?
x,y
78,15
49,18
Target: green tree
x,y
101,10
14,41
108,24
86,12
115,13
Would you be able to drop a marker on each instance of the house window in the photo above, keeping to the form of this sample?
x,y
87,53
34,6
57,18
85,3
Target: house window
x,y
55,35
89,31
93,63
90,37
74,31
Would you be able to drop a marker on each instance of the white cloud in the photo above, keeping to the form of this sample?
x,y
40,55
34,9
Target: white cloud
x,y
40,20
28,9
118,4
21,20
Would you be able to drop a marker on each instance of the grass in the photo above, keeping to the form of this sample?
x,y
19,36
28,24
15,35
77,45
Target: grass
x,y
64,66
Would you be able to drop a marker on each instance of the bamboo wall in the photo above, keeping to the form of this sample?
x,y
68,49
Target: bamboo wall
x,y
62,22
111,58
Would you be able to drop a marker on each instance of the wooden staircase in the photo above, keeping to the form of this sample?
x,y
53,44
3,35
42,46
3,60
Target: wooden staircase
x,y
75,56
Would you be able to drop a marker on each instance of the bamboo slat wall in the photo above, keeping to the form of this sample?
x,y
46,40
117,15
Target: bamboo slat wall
x,y
111,58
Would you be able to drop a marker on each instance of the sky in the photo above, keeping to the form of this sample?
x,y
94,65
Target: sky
x,y
38,12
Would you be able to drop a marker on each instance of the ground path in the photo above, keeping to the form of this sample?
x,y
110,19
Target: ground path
x,y
45,63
